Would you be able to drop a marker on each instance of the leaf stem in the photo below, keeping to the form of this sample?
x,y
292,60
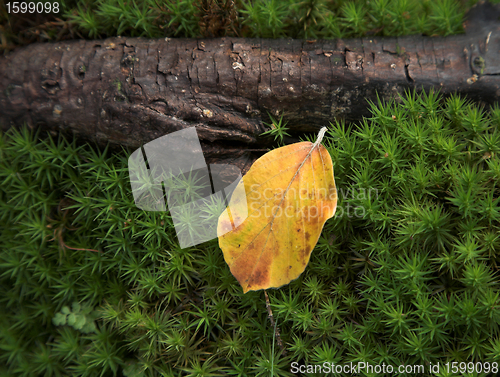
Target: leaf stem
x,y
320,137
273,324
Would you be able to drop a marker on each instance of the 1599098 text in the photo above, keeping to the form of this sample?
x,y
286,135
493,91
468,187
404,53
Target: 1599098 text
x,y
32,7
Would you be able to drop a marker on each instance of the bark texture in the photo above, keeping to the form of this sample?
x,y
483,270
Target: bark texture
x,y
130,91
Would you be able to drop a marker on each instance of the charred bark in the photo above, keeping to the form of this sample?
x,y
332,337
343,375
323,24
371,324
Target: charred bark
x,y
129,91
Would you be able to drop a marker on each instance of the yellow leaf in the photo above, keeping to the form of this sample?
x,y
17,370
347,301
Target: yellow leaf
x,y
289,193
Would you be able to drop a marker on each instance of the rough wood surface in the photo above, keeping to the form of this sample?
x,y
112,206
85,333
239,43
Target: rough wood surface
x,y
130,91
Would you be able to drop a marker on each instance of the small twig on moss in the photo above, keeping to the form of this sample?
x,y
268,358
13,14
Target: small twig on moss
x,y
273,324
58,234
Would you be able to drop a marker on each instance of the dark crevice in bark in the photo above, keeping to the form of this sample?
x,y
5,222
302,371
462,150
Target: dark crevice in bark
x,y
344,55
407,75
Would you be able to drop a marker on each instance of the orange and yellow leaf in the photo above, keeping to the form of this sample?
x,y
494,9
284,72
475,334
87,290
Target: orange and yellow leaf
x,y
289,194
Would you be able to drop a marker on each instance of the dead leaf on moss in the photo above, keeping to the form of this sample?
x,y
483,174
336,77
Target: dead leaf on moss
x,y
290,193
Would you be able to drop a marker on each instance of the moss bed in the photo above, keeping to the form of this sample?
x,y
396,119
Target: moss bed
x,y
406,273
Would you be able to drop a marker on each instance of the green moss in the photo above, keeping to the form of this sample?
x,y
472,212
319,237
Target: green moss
x,y
309,19
269,19
118,84
405,273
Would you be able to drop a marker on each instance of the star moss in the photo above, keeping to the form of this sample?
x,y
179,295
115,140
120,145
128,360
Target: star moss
x,y
405,273
309,19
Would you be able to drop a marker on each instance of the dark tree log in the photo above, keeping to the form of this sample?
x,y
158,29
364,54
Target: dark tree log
x,y
130,91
